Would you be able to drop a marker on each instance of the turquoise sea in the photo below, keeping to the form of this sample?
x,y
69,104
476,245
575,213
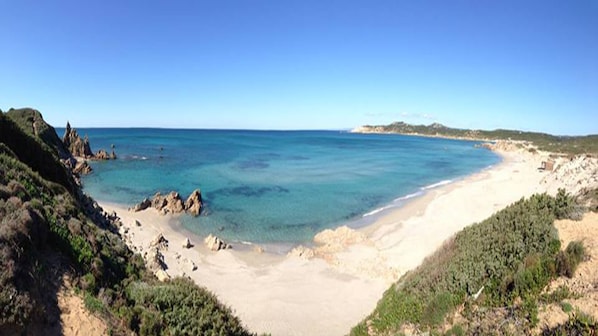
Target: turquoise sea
x,y
277,186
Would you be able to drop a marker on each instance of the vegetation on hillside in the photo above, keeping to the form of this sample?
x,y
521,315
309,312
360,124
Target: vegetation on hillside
x,y
506,260
547,142
49,229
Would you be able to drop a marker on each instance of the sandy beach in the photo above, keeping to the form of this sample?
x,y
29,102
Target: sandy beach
x,y
331,287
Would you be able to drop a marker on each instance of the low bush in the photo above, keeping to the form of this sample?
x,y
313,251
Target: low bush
x,y
512,254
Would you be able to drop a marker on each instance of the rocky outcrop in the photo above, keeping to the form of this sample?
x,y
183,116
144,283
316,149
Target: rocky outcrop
x,y
146,203
336,240
577,175
80,147
75,144
193,203
216,244
82,168
172,203
302,252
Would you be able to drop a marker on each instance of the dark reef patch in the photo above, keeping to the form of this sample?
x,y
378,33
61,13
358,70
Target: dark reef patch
x,y
247,191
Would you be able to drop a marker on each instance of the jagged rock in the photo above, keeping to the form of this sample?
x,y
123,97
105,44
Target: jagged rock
x,y
155,259
160,241
216,244
73,142
158,201
102,155
82,168
194,203
302,252
146,203
80,147
138,223
174,203
187,243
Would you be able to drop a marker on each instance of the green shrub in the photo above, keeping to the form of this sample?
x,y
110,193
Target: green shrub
x,y
566,307
179,307
561,293
93,304
568,260
511,254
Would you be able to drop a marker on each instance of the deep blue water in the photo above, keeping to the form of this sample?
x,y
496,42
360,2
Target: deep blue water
x,y
276,186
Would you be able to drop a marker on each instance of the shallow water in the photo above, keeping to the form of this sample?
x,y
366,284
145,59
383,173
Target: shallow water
x,y
277,186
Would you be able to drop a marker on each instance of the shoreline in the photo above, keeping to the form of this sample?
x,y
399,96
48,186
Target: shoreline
x,y
337,282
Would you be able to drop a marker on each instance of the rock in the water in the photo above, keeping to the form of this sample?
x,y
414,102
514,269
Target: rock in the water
x,y
158,201
216,244
174,203
187,243
194,203
73,142
102,155
80,147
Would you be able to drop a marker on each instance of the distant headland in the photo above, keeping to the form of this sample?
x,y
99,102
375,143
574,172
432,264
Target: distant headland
x,y
544,141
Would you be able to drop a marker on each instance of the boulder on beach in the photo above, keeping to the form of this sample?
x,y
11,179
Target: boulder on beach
x,y
146,203
216,244
160,241
187,243
302,252
339,238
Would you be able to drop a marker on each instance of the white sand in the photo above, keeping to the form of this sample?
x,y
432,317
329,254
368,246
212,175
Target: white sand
x,y
329,294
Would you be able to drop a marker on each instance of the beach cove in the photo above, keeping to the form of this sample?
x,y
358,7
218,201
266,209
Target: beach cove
x,y
332,286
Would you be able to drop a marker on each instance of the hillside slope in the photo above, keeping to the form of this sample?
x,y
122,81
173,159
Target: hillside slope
x,y
50,231
547,142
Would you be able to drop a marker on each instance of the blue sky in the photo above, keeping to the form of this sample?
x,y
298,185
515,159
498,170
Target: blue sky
x,y
530,65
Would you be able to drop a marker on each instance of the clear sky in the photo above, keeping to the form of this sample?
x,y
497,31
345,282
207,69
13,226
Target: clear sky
x,y
307,64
